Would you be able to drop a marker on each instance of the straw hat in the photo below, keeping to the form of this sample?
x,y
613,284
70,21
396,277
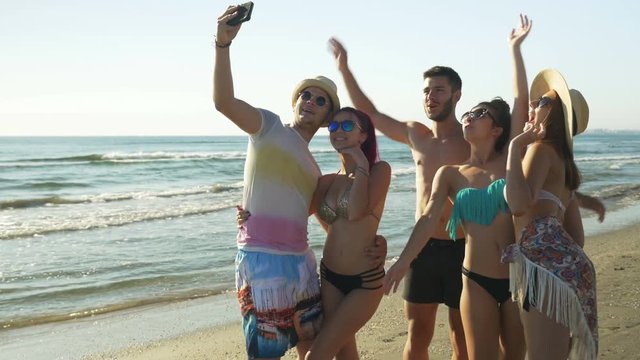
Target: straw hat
x,y
574,105
581,111
320,82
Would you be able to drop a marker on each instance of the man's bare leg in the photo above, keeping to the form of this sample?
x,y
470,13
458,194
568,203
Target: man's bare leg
x,y
422,321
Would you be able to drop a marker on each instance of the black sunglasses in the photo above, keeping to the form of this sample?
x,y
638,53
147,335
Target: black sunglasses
x,y
306,96
347,125
476,114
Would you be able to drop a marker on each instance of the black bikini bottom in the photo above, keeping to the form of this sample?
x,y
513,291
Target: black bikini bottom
x,y
346,283
498,288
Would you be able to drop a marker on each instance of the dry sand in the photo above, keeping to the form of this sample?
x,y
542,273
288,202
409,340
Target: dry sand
x,y
616,256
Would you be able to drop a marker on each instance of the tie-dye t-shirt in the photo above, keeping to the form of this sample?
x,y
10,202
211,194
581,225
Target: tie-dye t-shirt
x,y
280,176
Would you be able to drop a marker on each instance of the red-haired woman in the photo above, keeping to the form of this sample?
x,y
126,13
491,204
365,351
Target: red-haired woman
x,y
349,204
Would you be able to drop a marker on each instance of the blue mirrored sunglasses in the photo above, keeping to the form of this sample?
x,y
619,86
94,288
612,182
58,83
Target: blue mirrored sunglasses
x,y
347,125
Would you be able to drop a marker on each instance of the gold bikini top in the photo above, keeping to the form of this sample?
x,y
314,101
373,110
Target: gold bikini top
x,y
328,214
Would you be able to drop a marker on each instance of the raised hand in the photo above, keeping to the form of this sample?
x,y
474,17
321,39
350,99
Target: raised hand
x,y
339,53
518,35
226,33
530,134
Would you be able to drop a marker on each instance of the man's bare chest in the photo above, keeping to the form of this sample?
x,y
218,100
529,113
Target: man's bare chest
x,y
433,155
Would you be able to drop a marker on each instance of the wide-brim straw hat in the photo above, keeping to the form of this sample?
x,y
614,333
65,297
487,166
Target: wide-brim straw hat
x,y
323,83
580,110
574,105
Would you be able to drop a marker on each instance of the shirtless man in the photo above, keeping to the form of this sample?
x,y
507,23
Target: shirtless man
x,y
434,276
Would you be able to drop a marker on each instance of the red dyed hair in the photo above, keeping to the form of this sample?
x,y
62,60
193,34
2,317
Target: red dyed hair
x,y
370,146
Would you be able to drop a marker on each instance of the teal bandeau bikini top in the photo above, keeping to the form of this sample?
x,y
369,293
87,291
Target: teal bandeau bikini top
x,y
477,205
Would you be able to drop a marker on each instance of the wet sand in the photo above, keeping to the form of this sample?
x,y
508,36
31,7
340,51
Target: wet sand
x,y
616,256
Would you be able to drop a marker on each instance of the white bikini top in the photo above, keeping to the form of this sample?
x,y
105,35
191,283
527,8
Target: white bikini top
x,y
546,195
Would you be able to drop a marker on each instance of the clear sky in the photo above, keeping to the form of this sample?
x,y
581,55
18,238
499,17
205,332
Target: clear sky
x,y
143,67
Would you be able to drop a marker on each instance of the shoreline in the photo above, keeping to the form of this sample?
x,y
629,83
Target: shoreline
x,y
184,330
113,331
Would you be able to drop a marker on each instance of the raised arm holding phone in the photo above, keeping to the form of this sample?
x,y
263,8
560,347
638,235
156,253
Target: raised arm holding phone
x,y
276,270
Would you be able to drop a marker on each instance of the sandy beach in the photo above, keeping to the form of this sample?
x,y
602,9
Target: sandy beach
x,y
616,256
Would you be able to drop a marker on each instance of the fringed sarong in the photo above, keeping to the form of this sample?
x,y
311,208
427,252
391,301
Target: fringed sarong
x,y
548,268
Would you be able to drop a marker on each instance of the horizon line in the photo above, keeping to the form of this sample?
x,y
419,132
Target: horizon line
x,y
597,130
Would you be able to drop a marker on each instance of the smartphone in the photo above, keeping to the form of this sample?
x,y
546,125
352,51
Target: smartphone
x,y
244,14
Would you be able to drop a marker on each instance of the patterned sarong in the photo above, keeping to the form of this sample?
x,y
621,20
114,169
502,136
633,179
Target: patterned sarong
x,y
549,268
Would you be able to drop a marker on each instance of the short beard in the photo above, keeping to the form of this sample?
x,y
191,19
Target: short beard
x,y
446,111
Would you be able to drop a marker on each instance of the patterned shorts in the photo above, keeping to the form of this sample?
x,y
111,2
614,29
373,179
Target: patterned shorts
x,y
279,299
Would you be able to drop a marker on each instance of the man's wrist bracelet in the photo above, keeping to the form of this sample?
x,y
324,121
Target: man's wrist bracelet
x,y
222,46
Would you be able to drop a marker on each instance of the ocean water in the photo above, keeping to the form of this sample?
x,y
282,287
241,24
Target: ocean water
x,y
91,225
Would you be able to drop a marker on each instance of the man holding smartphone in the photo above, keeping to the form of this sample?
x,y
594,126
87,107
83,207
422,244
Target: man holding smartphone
x,y
276,277
276,271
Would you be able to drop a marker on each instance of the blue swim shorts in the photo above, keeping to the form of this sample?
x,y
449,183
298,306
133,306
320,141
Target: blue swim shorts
x,y
279,299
